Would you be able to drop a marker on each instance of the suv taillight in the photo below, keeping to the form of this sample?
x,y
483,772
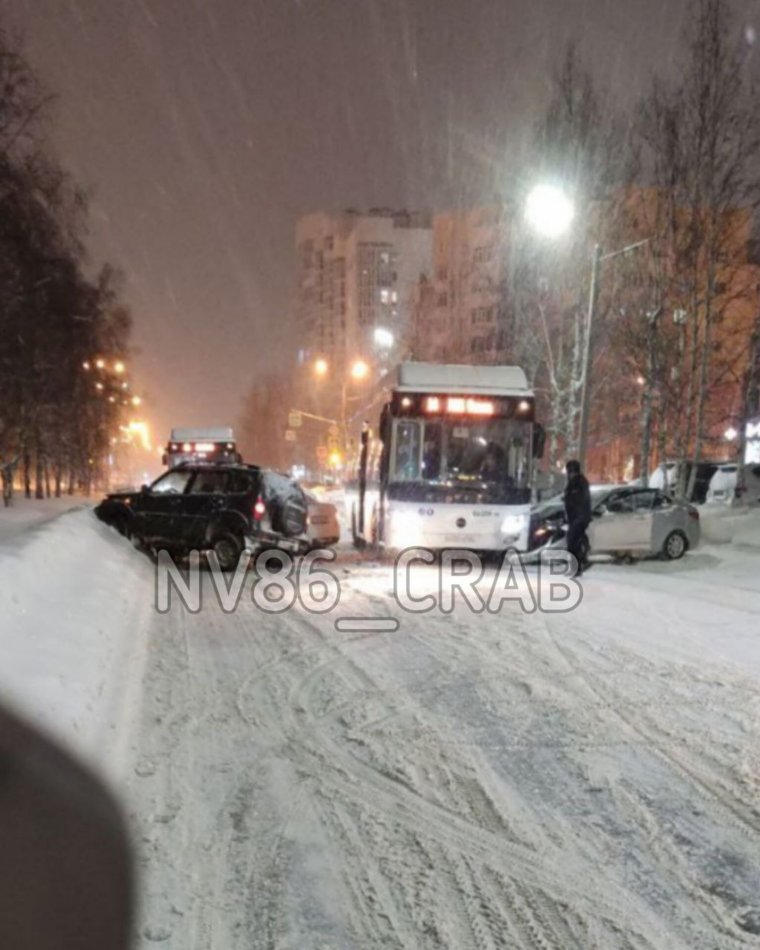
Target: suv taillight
x,y
693,514
259,509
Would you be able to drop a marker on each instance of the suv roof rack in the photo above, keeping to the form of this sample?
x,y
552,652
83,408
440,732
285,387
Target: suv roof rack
x,y
215,463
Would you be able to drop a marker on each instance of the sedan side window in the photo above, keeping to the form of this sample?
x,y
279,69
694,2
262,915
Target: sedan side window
x,y
643,500
173,483
620,504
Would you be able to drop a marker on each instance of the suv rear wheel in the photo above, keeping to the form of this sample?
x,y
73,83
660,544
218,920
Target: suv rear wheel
x,y
227,547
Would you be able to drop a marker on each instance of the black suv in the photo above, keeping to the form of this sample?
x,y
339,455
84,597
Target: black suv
x,y
219,507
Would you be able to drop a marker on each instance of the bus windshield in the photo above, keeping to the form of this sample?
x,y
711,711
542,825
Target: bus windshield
x,y
490,456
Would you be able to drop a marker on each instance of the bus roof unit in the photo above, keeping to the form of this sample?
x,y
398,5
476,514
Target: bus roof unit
x,y
206,434
465,379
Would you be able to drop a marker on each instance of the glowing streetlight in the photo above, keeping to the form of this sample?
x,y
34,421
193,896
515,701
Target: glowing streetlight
x,y
136,401
101,364
119,367
138,431
383,338
86,364
320,367
359,370
549,211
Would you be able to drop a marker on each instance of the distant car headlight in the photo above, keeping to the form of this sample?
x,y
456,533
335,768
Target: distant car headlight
x,y
513,524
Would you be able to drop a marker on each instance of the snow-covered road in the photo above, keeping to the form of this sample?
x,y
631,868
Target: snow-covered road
x,y
589,780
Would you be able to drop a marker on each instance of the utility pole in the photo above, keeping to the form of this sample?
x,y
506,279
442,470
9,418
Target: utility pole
x,y
646,428
596,258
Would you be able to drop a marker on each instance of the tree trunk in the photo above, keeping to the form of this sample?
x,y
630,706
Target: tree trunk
x,y
7,476
39,477
27,474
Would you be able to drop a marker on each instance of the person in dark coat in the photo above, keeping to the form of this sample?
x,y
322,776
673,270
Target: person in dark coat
x,y
578,510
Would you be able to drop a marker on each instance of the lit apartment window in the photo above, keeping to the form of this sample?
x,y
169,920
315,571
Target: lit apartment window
x,y
394,296
385,296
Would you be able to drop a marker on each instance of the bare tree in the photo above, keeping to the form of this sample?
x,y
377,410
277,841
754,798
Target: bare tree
x,y
700,140
577,146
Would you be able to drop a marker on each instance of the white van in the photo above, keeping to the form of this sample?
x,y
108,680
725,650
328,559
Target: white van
x,y
723,485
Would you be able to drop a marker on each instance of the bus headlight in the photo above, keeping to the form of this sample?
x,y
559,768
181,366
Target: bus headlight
x,y
512,526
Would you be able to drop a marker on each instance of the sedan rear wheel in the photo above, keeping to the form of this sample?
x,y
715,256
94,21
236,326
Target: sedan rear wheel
x,y
675,546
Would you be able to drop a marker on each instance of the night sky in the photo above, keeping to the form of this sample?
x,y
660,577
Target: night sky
x,y
205,128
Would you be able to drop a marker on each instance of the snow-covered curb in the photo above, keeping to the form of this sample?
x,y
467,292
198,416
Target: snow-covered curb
x,y
71,624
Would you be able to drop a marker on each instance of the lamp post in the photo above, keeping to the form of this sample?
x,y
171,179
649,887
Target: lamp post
x,y
550,213
596,259
358,371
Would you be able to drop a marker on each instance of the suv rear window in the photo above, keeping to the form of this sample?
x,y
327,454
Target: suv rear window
x,y
209,483
242,482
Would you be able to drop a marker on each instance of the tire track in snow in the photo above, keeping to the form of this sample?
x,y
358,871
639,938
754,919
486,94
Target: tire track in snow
x,y
540,871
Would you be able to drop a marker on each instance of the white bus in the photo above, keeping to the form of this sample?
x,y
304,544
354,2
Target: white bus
x,y
456,464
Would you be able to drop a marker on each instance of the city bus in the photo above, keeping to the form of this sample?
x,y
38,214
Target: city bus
x,y
457,446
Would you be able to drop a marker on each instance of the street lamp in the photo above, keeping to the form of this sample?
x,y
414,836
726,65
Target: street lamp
x,y
383,338
549,211
320,367
119,367
359,370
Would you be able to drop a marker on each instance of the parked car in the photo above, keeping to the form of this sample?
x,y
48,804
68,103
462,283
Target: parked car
x,y
748,484
216,507
323,527
723,485
669,475
627,522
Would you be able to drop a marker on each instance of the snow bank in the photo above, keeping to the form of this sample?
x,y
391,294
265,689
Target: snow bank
x,y
722,524
73,600
25,513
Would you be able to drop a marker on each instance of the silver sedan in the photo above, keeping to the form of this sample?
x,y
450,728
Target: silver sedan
x,y
640,522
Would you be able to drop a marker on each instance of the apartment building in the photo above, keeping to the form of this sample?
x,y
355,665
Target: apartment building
x,y
357,276
457,313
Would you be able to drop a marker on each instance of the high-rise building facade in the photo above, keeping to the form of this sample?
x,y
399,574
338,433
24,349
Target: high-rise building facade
x,y
357,275
457,313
